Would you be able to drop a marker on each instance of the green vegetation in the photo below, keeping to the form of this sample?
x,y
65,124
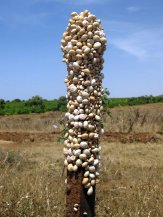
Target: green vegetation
x,y
113,102
37,104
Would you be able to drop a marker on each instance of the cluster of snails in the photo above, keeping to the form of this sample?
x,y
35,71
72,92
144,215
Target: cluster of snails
x,y
83,45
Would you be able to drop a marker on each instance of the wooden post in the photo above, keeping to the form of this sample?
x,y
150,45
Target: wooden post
x,y
77,194
83,45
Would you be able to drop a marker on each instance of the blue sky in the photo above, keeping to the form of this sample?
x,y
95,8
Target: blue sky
x,y
30,55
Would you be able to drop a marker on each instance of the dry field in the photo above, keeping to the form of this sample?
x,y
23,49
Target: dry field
x,y
31,165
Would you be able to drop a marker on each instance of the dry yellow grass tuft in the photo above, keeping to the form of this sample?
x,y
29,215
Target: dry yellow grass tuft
x,y
131,180
30,181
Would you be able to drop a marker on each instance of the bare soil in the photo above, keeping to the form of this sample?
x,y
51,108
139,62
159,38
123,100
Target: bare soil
x,y
9,138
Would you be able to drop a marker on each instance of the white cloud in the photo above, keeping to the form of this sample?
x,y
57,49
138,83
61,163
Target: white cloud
x,y
143,44
136,40
130,47
133,9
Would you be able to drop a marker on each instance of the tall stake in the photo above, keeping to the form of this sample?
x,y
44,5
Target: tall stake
x,y
83,45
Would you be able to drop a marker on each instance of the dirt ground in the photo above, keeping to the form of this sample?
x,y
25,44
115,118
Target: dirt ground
x,y
29,137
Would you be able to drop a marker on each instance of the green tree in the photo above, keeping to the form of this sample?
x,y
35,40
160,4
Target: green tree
x,y
2,103
36,104
16,100
2,106
62,102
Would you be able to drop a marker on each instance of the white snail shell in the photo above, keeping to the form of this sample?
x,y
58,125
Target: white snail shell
x,y
90,191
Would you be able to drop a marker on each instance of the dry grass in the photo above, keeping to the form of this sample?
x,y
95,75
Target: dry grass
x,y
131,180
143,118
31,164
31,182
31,122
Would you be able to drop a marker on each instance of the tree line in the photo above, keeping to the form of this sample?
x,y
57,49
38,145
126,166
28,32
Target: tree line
x,y
37,104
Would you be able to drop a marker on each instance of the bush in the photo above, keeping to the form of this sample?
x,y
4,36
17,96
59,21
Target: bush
x,y
16,100
105,98
62,104
36,104
2,103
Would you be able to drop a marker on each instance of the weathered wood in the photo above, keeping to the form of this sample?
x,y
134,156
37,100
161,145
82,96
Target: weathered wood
x,y
77,194
87,203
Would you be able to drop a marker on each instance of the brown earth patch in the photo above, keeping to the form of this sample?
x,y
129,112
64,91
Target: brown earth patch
x,y
29,137
131,137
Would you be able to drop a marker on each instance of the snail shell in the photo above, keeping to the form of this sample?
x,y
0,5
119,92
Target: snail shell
x,y
93,182
88,185
85,181
75,209
98,118
84,94
86,71
92,176
83,116
95,150
92,169
87,83
89,28
87,50
76,65
97,45
85,102
96,162
87,152
85,124
84,136
70,167
73,14
75,168
90,191
72,88
77,152
83,156
79,99
84,145
91,160
86,174
78,162
85,164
